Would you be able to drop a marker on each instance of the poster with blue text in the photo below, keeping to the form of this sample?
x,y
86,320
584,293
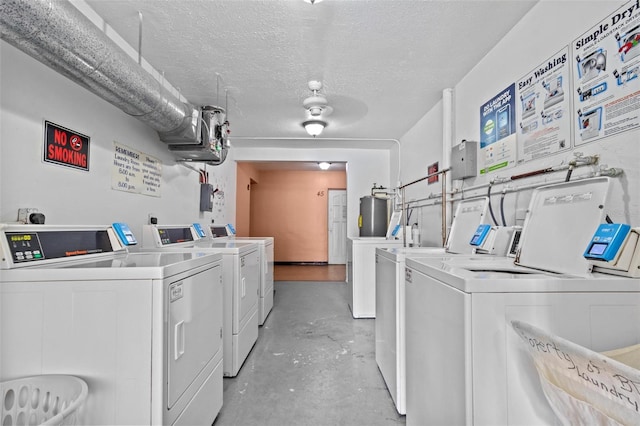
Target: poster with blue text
x,y
498,131
544,109
607,70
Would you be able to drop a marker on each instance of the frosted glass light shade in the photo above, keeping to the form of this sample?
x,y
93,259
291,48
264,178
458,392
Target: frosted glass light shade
x,y
314,127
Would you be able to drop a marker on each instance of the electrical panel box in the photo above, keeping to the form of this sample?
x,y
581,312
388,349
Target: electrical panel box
x,y
206,197
464,160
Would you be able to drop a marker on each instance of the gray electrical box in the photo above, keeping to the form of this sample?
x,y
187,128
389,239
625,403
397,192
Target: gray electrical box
x,y
464,160
206,197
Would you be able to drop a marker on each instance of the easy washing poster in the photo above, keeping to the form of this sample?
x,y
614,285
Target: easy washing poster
x,y
606,62
497,131
585,92
544,108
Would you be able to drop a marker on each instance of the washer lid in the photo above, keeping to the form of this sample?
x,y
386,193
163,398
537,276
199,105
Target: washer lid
x,y
559,223
469,214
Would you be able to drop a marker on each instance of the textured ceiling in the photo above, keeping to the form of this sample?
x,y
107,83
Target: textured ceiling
x,y
383,63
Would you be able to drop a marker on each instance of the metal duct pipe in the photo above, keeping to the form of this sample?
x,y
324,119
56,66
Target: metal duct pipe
x,y
57,34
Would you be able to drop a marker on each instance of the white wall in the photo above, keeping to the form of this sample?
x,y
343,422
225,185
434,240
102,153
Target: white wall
x,y
32,93
546,29
364,168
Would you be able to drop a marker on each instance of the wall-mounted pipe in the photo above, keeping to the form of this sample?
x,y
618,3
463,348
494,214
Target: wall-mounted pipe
x,y
579,161
57,34
448,126
403,213
436,199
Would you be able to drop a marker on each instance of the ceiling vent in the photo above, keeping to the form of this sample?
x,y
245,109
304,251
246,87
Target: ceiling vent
x,y
213,144
61,37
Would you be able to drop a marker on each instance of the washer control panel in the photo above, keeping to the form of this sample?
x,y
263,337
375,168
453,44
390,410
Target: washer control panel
x,y
46,245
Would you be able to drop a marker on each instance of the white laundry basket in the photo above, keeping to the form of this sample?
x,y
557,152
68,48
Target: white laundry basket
x,y
582,386
42,400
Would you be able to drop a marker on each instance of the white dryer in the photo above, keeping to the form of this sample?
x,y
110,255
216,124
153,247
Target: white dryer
x,y
142,329
241,263
465,364
266,244
265,303
390,293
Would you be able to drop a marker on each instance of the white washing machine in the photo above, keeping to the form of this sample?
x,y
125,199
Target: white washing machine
x,y
241,264
265,303
142,329
361,273
390,293
465,364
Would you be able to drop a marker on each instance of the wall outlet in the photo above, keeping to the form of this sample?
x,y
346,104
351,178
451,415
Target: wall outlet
x,y
24,213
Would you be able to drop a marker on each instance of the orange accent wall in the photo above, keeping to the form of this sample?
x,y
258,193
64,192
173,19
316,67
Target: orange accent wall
x,y
291,206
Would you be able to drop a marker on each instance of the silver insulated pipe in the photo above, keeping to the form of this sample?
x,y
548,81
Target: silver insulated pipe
x,y
57,34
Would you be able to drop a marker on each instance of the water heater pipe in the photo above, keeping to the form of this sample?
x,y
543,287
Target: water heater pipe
x,y
442,172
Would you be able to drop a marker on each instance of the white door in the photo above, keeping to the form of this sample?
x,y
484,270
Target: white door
x,y
337,226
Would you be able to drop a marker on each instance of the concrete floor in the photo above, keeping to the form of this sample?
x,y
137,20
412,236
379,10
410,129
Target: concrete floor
x,y
313,364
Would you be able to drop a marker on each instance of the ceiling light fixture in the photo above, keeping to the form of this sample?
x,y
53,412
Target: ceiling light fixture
x,y
312,1
314,127
324,165
317,109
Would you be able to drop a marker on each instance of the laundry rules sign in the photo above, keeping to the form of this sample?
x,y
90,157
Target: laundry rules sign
x,y
134,171
65,147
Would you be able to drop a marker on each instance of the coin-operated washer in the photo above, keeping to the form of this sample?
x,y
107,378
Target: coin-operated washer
x,y
137,327
615,249
241,278
461,349
266,244
390,293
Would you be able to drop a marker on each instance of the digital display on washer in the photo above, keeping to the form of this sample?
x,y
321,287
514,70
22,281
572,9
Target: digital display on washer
x,y
219,231
34,246
175,235
597,249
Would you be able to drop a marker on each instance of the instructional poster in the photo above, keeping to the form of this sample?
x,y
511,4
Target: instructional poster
x,y
607,70
497,131
135,171
543,111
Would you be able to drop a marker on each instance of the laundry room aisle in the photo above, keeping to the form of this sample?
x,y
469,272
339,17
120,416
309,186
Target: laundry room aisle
x,y
313,365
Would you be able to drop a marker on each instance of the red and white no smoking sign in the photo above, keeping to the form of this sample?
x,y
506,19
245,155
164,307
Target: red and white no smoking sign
x,y
65,147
